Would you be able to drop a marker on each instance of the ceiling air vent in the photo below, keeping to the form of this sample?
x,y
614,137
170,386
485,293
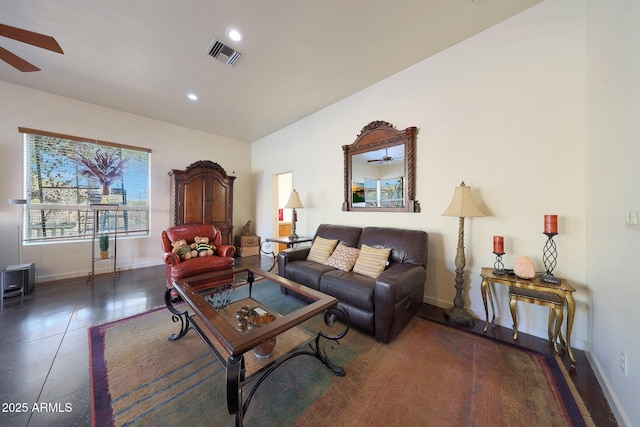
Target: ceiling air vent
x,y
223,53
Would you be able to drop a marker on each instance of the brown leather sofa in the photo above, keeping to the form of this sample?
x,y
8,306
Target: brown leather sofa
x,y
222,258
382,306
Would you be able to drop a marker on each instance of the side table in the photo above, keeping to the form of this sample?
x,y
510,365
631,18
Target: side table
x,y
285,240
538,292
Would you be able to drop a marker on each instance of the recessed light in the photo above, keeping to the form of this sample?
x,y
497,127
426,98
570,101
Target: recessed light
x,y
234,34
192,96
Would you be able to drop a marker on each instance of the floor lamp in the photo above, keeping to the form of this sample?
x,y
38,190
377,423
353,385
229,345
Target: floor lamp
x,y
461,206
294,203
20,202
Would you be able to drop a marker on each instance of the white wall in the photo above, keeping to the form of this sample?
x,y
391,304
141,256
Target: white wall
x,y
506,111
173,147
613,187
503,111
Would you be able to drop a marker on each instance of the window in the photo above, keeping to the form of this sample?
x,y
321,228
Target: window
x,y
384,193
66,175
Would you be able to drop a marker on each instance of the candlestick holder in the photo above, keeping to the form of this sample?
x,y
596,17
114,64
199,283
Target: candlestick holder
x,y
549,258
498,266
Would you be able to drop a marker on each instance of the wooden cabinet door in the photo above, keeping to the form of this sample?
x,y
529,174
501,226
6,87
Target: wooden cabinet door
x,y
203,194
193,200
218,207
217,201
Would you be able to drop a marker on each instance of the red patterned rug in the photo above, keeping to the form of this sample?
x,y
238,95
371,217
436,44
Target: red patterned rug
x,y
431,374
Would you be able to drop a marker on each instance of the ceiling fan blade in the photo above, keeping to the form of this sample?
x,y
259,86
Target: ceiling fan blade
x,y
376,160
29,37
17,62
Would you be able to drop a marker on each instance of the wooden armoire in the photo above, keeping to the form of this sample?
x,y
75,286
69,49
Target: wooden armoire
x,y
203,194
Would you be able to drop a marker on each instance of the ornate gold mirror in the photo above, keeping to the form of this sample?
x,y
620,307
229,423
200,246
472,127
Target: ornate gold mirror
x,y
380,169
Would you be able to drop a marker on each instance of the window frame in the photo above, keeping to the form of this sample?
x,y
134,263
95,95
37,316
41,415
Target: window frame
x,y
137,214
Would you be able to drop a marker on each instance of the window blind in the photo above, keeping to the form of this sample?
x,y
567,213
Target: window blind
x,y
65,175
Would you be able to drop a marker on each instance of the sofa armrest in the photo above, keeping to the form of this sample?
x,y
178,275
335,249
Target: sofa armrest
x,y
226,250
398,295
289,255
171,258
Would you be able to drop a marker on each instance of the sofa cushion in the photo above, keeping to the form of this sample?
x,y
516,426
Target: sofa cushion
x,y
371,261
306,272
321,249
344,233
409,246
350,288
343,257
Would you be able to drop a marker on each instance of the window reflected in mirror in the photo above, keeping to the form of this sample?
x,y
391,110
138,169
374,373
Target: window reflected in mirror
x,y
378,178
379,170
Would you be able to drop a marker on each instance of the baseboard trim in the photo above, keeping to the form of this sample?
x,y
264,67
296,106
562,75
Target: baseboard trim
x,y
76,274
621,417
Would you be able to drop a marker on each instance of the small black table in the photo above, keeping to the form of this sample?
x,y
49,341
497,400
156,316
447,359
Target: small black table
x,y
285,240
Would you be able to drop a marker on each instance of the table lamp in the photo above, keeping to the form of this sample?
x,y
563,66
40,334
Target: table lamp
x,y
293,203
461,206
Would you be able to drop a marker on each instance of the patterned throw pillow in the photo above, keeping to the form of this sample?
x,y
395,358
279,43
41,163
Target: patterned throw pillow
x,y
321,249
343,258
371,261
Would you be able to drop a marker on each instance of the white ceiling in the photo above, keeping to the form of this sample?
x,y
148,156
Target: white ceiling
x,y
144,56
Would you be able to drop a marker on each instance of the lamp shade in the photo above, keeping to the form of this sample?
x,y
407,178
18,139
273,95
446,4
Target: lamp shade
x,y
462,204
294,201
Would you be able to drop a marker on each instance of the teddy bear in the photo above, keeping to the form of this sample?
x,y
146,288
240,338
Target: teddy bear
x,y
202,247
183,250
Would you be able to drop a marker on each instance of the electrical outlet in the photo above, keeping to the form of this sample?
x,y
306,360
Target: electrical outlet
x,y
623,362
633,218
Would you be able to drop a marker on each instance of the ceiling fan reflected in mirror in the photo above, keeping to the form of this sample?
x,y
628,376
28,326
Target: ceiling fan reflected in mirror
x,y
35,39
385,160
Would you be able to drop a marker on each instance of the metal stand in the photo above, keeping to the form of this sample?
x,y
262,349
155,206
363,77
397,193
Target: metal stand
x,y
101,226
498,266
549,257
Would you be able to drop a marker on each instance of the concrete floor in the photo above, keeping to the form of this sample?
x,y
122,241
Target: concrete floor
x,y
44,351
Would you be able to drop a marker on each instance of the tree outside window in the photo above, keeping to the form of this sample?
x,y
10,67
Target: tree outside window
x,y
66,175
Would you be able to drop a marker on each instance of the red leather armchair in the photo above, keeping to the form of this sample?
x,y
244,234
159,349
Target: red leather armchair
x,y
222,259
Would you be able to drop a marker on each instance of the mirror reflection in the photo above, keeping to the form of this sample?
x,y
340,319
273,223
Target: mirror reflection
x,y
379,170
378,178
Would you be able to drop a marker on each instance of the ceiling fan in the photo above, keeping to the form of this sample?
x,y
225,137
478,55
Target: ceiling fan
x,y
29,37
385,160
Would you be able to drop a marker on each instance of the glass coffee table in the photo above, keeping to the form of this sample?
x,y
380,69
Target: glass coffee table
x,y
237,328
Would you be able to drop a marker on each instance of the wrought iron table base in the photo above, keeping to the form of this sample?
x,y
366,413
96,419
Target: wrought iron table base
x,y
177,316
235,366
317,348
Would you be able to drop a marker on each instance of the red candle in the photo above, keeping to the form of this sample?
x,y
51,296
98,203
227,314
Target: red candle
x,y
498,244
551,224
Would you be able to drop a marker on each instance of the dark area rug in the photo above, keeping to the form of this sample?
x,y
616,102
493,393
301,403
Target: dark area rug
x,y
431,374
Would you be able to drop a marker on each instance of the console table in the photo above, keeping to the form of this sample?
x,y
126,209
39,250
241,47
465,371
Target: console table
x,y
537,292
